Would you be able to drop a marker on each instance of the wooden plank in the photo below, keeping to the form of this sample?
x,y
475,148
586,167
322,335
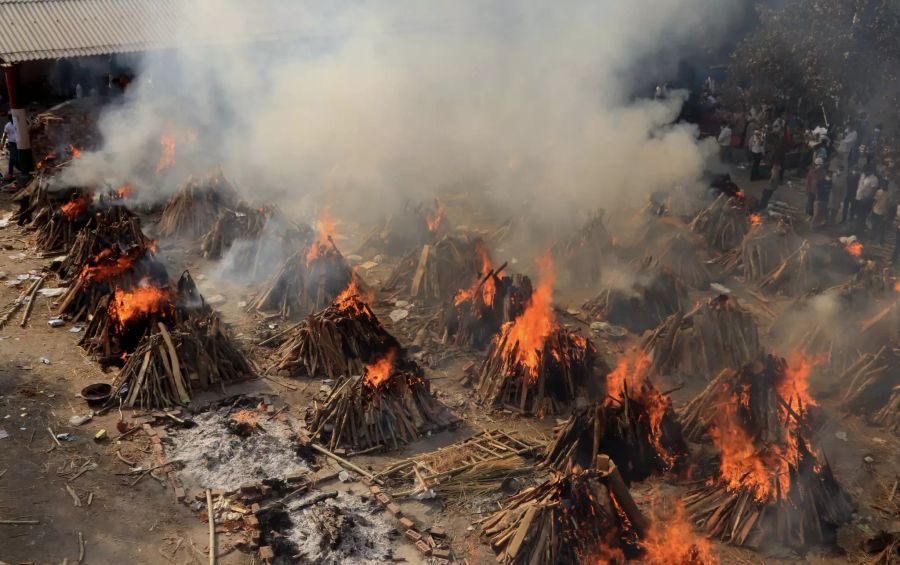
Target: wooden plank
x,y
516,543
420,271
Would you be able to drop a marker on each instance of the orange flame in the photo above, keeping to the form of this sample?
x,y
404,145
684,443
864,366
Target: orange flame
x,y
527,333
47,158
630,372
143,300
436,220
125,190
167,157
349,299
794,388
74,151
675,542
108,264
75,207
380,371
741,466
324,237
755,219
854,248
488,287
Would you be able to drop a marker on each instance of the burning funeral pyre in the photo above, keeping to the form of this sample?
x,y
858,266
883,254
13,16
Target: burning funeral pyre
x,y
575,516
716,334
724,223
873,388
243,222
581,256
478,312
770,484
193,209
389,405
435,273
655,295
410,227
534,365
110,228
337,341
635,425
309,280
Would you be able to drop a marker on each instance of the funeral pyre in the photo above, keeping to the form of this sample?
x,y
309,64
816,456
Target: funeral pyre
x,y
309,280
194,208
335,342
635,425
389,405
435,273
581,256
724,222
242,222
535,365
412,226
874,387
770,484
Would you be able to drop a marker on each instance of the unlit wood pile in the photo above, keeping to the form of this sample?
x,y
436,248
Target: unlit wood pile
x,y
681,256
194,208
565,363
170,366
652,297
35,205
723,224
795,275
874,388
762,251
475,316
244,222
308,281
337,341
413,225
770,483
582,255
440,270
363,412
109,227
577,516
716,334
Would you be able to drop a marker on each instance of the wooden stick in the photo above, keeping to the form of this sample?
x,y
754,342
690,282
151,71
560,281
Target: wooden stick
x,y
53,435
20,522
345,463
80,546
212,527
30,303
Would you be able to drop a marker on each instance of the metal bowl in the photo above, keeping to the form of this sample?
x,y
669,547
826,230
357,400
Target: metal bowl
x,y
97,393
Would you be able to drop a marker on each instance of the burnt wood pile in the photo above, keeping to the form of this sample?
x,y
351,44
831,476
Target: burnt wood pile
x,y
681,256
655,295
722,224
195,206
476,315
337,341
57,227
412,226
436,272
762,252
386,407
582,255
716,334
575,516
874,388
243,222
770,484
110,227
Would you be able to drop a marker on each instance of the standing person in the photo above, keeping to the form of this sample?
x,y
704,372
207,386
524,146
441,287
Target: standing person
x,y
757,149
724,140
881,207
849,208
812,180
12,145
847,145
774,183
865,199
823,192
838,193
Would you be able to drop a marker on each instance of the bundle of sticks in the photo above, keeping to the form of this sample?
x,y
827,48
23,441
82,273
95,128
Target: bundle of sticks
x,y
308,281
636,427
413,225
575,516
388,406
169,366
769,480
540,382
194,208
110,227
582,254
723,224
795,275
337,341
654,295
440,270
681,256
716,334
763,251
34,200
873,390
63,224
475,315
243,222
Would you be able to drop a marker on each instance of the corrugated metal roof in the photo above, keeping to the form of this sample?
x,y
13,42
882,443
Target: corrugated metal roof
x,y
50,29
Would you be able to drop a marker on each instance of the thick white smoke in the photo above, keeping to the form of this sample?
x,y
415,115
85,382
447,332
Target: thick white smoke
x,y
530,101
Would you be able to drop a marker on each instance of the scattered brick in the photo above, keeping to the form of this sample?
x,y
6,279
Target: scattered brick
x,y
441,552
374,489
394,509
251,522
383,498
407,523
180,495
437,532
250,488
413,535
423,548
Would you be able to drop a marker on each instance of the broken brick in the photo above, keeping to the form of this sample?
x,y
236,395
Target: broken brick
x,y
437,532
374,489
254,507
251,522
394,509
423,548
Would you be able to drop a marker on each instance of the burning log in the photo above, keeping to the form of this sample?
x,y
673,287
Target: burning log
x,y
724,223
389,405
577,516
194,208
534,365
437,272
582,255
635,425
716,334
652,298
59,230
411,226
872,390
769,480
110,227
338,341
245,222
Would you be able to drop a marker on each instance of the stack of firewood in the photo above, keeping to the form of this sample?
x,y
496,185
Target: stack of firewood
x,y
62,224
716,334
412,226
723,224
575,516
873,388
681,256
388,406
34,200
194,208
795,275
582,255
243,222
437,272
110,227
651,298
564,365
475,316
763,251
337,341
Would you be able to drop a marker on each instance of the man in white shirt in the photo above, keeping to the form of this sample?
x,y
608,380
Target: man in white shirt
x,y
724,140
9,132
865,199
847,145
757,149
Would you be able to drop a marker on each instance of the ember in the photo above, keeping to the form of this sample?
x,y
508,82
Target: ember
x,y
854,248
755,219
75,207
74,151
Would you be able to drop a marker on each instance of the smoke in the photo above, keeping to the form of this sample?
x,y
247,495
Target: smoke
x,y
530,104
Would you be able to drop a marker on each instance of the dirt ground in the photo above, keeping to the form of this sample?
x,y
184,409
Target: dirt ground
x,y
42,371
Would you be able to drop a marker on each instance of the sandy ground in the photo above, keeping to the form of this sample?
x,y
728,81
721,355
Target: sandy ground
x,y
143,523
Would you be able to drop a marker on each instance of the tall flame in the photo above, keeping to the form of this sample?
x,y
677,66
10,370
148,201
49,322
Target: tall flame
x,y
167,157
488,287
630,371
349,299
326,231
139,302
380,371
794,388
436,220
75,207
741,465
527,333
674,542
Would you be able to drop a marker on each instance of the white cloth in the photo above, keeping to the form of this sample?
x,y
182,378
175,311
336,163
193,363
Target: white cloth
x,y
848,142
868,184
12,135
725,137
757,144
